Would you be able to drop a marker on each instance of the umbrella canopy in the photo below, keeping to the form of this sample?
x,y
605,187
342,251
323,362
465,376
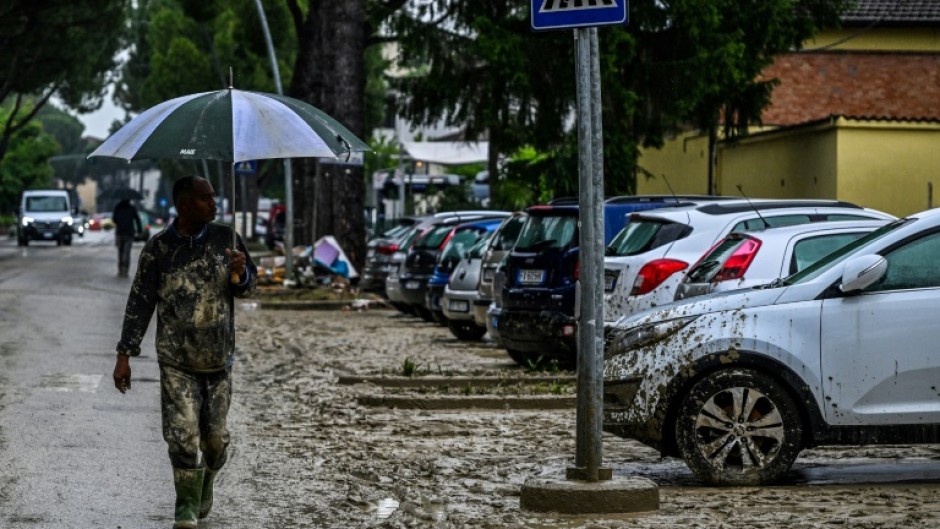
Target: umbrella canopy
x,y
231,125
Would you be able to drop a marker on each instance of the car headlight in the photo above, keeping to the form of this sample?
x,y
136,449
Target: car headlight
x,y
649,333
67,220
27,221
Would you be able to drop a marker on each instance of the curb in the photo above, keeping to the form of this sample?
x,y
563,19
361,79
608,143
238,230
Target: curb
x,y
617,495
466,403
318,305
460,381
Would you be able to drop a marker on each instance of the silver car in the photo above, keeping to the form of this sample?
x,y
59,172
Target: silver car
x,y
462,292
500,246
746,259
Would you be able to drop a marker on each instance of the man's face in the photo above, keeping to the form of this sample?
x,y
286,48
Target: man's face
x,y
200,204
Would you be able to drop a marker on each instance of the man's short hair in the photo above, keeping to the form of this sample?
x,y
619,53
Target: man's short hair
x,y
183,187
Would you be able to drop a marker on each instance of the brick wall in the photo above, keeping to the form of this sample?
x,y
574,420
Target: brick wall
x,y
815,85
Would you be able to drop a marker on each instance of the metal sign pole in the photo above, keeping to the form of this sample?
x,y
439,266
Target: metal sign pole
x,y
588,454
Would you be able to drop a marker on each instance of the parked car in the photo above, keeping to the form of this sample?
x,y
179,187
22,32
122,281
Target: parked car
x,y
648,258
459,264
277,224
746,259
738,383
421,259
537,317
146,221
101,221
502,242
379,252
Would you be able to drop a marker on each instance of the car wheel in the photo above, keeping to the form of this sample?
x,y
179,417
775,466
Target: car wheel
x,y
466,330
22,241
404,308
738,427
67,242
519,357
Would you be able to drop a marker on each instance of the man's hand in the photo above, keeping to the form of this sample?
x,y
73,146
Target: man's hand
x,y
122,373
237,263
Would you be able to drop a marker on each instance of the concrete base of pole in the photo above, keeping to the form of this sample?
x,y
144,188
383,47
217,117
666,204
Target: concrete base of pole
x,y
618,495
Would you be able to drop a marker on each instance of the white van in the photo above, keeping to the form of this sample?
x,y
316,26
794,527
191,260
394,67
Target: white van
x,y
44,215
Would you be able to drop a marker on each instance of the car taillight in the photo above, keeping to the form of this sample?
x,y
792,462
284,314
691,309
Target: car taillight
x,y
386,249
739,261
654,273
576,274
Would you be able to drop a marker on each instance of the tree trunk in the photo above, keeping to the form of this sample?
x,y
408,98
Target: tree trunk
x,y
330,75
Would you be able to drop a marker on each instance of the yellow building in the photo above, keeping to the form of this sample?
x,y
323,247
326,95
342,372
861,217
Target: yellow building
x,y
856,117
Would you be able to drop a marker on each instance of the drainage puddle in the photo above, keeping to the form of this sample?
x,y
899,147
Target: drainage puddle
x,y
70,382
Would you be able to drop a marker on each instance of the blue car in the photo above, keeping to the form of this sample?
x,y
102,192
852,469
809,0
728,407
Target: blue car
x,y
461,239
537,319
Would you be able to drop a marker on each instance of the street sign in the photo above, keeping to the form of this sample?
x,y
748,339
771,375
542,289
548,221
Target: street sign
x,y
248,167
568,14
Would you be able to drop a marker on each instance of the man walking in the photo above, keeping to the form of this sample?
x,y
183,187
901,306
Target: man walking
x,y
184,274
126,226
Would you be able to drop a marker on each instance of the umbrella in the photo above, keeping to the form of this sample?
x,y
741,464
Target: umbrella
x,y
234,126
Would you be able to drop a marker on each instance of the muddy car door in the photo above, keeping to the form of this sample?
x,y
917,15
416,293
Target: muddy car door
x,y
880,362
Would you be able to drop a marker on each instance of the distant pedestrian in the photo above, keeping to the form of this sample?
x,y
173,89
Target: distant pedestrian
x,y
126,226
185,274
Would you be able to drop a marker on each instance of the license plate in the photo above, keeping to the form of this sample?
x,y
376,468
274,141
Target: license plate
x,y
610,279
531,277
412,285
47,235
457,305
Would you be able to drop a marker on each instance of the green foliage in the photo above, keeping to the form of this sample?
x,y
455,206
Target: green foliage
x,y
26,163
409,367
542,364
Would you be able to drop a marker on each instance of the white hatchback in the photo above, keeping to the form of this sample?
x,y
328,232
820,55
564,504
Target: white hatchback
x,y
738,383
648,258
746,259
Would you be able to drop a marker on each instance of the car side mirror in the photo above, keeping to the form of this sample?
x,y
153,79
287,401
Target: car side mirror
x,y
862,271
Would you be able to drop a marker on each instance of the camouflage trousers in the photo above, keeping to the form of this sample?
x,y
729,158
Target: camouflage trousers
x,y
194,409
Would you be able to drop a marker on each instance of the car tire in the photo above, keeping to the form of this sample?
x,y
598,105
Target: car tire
x,y
466,330
404,308
519,357
721,446
22,241
67,241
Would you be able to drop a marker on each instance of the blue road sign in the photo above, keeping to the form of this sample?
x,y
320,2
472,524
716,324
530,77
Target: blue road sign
x,y
567,14
248,167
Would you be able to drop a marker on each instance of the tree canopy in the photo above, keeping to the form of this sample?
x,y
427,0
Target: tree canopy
x,y
47,48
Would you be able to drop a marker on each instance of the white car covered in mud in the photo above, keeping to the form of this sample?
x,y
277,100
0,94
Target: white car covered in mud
x,y
738,383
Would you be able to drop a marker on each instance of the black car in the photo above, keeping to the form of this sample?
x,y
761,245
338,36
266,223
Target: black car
x,y
379,252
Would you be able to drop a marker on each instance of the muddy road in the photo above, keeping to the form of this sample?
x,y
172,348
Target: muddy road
x,y
306,451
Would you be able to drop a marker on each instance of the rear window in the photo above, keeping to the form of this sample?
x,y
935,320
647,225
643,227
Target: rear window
x,y
642,235
547,233
477,250
710,264
433,238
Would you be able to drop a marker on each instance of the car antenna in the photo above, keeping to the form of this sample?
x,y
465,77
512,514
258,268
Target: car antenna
x,y
741,190
670,190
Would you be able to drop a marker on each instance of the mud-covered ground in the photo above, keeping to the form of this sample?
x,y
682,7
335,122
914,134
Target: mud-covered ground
x,y
316,458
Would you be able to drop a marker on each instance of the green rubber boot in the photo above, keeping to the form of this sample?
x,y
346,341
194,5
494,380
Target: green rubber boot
x,y
206,503
188,497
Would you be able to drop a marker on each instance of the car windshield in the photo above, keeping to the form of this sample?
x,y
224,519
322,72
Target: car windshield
x,y
816,269
460,244
545,232
642,235
41,204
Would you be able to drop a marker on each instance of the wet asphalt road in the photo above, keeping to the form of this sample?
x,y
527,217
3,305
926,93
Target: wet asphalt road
x,y
73,451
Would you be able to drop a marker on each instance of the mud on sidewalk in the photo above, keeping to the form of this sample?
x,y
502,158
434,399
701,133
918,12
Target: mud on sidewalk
x,y
306,453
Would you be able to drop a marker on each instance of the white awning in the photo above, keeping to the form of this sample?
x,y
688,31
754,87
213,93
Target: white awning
x,y
448,152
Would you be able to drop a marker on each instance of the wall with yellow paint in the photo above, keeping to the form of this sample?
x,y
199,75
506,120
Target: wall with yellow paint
x,y
888,165
683,161
792,164
877,39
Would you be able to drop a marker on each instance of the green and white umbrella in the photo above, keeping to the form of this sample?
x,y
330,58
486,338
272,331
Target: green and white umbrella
x,y
234,126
